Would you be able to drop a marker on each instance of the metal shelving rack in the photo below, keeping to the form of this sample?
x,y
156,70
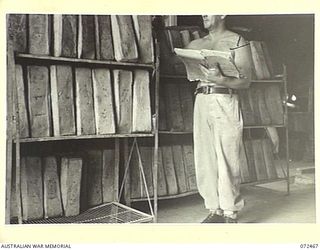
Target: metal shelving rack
x,y
14,142
13,138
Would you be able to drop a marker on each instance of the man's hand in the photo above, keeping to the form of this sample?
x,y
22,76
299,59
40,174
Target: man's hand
x,y
213,74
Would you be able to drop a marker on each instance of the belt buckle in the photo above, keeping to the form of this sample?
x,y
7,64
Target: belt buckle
x,y
206,90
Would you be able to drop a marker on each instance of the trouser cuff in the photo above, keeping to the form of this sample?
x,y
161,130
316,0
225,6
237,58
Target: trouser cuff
x,y
230,214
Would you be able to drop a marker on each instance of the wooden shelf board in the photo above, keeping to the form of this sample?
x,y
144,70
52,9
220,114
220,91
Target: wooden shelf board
x,y
267,81
79,137
164,132
263,126
196,192
275,80
174,77
175,132
263,182
166,197
52,60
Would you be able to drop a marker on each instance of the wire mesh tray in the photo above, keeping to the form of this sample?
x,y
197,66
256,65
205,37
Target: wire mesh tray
x,y
113,212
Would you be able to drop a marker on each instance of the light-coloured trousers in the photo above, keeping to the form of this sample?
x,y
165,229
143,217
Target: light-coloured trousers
x,y
218,128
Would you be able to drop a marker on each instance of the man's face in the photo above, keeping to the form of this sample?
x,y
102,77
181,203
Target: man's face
x,y
211,21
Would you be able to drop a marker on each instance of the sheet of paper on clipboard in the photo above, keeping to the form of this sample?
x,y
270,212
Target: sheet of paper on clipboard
x,y
192,60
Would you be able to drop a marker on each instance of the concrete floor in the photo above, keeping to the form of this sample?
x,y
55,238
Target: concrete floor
x,y
263,205
267,203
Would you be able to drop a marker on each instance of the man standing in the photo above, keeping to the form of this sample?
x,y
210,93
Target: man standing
x,y
218,124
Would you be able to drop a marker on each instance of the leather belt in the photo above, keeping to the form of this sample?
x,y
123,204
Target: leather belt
x,y
214,90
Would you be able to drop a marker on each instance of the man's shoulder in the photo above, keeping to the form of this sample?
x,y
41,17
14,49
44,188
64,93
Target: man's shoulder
x,y
232,36
229,38
197,43
202,42
231,33
233,39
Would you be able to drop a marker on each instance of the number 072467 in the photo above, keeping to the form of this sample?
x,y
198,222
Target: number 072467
x,y
309,246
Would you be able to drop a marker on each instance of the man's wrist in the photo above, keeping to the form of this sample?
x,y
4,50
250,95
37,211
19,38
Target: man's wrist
x,y
221,80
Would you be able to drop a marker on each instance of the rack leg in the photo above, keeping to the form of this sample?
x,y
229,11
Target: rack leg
x,y
8,180
287,161
116,168
155,172
155,182
18,183
127,196
286,126
10,125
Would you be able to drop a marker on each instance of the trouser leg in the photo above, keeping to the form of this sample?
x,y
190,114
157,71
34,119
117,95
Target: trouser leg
x,y
205,155
227,122
229,172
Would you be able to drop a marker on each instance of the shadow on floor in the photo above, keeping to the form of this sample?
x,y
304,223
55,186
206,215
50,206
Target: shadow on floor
x,y
267,203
